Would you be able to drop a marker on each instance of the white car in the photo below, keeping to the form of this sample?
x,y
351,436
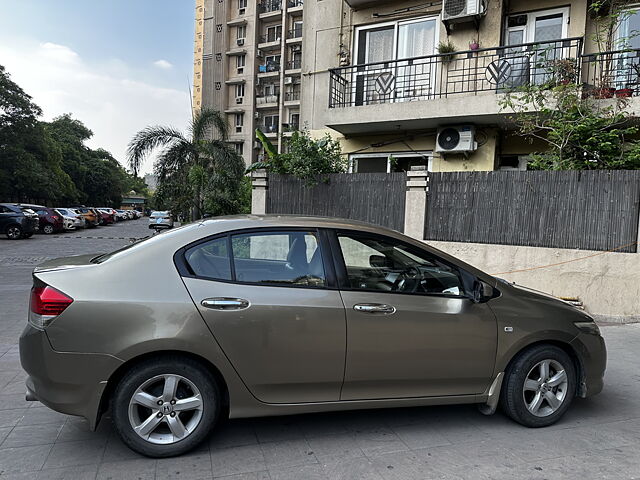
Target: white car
x,y
70,219
160,220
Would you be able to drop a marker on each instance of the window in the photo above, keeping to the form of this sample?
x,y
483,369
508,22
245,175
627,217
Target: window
x,y
513,162
279,258
389,162
239,122
210,259
271,89
241,61
239,148
240,90
241,31
271,123
377,263
242,5
274,33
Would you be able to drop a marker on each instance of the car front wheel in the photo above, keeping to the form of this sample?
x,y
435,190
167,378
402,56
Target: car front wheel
x,y
165,407
539,386
48,229
14,232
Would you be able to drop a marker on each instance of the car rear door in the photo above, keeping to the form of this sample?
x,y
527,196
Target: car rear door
x,y
266,296
412,330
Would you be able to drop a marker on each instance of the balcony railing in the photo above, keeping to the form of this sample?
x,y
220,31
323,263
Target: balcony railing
x,y
295,3
267,6
496,69
291,127
291,96
269,67
609,74
269,128
295,33
267,99
269,37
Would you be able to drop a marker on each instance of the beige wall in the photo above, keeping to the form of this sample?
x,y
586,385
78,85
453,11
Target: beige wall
x,y
608,284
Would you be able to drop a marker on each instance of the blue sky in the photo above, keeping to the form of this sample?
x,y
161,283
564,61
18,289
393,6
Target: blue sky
x,y
117,65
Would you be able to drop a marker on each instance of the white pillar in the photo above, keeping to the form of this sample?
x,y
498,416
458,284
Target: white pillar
x,y
416,203
259,186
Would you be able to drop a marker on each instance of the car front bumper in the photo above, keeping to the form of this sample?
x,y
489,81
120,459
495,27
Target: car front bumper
x,y
68,382
593,355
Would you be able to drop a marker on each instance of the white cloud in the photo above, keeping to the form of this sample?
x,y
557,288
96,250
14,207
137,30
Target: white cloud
x,y
112,102
163,64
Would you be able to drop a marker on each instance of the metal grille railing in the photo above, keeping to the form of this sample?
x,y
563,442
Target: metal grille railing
x,y
496,69
606,74
294,64
292,96
295,33
270,6
295,3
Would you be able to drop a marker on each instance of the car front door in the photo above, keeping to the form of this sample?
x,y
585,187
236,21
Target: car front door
x,y
265,297
412,330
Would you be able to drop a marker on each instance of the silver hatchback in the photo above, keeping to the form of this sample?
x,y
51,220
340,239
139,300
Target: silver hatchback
x,y
160,220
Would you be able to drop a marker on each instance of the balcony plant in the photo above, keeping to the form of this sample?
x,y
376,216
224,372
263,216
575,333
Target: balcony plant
x,y
447,49
609,16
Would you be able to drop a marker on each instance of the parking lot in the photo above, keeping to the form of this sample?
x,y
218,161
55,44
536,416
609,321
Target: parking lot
x,y
598,438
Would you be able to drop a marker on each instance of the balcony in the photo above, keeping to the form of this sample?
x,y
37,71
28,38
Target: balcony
x,y
294,33
292,96
269,129
609,74
268,6
268,68
394,92
295,3
269,41
267,101
295,64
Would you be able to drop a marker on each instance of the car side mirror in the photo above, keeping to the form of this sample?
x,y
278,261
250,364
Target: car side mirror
x,y
379,261
482,292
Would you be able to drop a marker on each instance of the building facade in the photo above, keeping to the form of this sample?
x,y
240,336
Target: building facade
x,y
370,74
247,64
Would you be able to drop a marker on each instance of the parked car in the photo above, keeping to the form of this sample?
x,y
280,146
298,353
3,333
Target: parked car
x,y
248,316
91,217
77,220
160,220
50,220
17,221
122,214
106,216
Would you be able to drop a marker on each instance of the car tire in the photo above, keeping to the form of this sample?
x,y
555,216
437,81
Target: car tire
x,y
163,431
48,229
14,232
539,386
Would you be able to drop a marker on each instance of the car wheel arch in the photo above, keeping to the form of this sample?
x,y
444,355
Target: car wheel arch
x,y
565,346
119,373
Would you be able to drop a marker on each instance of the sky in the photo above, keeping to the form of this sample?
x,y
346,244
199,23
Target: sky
x,y
116,65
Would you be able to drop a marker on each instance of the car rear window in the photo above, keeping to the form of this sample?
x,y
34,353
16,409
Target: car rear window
x,y
210,259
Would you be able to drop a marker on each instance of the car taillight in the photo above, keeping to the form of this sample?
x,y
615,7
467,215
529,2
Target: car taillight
x,y
46,304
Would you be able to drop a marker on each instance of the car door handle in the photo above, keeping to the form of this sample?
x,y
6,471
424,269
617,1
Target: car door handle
x,y
225,303
375,308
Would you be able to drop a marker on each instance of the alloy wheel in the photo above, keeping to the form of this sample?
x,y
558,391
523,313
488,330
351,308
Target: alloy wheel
x,y
165,409
545,388
48,229
14,233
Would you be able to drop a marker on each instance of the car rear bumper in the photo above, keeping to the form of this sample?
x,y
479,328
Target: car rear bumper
x,y
67,382
593,356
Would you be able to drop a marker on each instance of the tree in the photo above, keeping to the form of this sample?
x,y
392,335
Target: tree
x,y
197,171
581,131
306,158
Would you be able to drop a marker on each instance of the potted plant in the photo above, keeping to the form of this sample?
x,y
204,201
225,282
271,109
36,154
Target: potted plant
x,y
474,45
446,49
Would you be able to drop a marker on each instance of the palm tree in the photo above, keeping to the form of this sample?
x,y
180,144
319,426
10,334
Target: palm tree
x,y
194,169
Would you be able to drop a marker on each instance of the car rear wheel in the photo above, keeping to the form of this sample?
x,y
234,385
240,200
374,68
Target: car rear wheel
x,y
167,407
539,386
14,232
48,229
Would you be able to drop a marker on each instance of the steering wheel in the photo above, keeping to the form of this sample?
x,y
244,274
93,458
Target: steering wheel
x,y
410,273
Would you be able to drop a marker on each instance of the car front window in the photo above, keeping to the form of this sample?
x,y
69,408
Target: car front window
x,y
381,264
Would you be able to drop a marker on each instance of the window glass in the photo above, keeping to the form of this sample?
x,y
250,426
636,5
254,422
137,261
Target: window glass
x,y
374,263
290,258
210,259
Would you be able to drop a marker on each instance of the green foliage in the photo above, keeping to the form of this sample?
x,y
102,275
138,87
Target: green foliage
x,y
49,162
581,132
306,159
198,171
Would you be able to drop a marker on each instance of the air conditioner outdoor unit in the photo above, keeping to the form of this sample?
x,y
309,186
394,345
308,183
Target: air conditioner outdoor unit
x,y
259,54
456,139
296,48
288,81
239,100
461,10
256,115
240,42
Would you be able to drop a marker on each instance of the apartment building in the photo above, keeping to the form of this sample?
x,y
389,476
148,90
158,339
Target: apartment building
x,y
247,64
372,76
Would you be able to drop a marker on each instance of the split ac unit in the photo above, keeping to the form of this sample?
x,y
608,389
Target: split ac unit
x,y
288,81
256,115
456,139
296,48
259,54
240,42
461,10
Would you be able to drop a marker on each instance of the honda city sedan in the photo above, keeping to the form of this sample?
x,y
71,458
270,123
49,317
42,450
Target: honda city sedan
x,y
275,315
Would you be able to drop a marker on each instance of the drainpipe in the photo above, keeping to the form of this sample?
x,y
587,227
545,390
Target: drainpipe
x,y
283,67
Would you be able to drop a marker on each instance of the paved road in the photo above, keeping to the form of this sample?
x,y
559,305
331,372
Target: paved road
x,y
598,438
